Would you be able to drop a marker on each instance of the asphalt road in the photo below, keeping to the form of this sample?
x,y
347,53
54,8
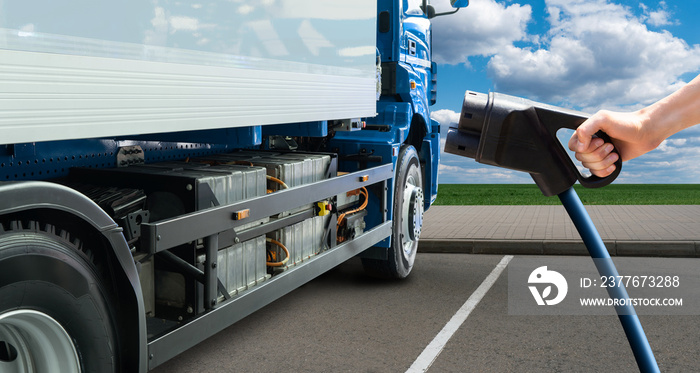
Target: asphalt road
x,y
346,322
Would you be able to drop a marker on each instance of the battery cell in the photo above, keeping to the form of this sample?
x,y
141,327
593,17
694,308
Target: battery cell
x,y
303,240
241,266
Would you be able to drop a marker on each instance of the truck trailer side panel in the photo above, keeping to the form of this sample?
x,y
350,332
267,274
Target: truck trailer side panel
x,y
124,68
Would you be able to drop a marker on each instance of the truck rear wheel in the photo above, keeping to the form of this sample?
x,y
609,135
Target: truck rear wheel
x,y
407,219
54,316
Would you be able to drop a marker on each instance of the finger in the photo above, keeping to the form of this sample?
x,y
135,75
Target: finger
x,y
602,165
605,172
573,142
598,150
594,144
583,142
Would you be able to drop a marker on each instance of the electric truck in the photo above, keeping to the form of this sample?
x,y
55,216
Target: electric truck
x,y
168,168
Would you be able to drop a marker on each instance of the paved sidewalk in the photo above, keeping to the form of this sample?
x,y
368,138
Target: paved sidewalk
x,y
626,230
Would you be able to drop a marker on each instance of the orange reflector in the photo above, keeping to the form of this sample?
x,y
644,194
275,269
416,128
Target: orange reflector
x,y
240,215
364,178
413,84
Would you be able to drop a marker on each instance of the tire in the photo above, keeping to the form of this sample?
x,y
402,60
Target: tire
x,y
54,313
408,207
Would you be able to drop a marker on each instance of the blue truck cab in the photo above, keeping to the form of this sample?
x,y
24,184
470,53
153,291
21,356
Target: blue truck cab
x,y
408,89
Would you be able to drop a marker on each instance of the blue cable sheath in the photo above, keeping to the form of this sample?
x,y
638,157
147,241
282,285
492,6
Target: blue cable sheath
x,y
628,317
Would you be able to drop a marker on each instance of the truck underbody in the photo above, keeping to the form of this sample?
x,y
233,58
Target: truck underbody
x,y
209,239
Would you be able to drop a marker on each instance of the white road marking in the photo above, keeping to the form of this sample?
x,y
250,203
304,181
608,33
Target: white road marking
x,y
431,352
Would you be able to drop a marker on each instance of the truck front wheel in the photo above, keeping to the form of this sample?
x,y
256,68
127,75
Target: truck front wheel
x,y
407,219
54,316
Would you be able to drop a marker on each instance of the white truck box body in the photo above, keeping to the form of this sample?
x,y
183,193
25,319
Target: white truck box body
x,y
89,69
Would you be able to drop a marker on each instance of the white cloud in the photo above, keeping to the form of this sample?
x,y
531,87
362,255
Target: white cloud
x,y
659,17
479,171
460,170
26,30
446,168
184,23
446,118
327,10
245,9
484,28
676,160
455,169
357,51
178,23
163,24
29,27
678,142
596,53
158,34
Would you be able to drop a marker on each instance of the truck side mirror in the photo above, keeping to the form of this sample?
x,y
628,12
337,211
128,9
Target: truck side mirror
x,y
430,12
457,4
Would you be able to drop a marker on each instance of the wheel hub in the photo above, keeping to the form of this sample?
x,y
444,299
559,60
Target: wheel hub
x,y
33,341
412,213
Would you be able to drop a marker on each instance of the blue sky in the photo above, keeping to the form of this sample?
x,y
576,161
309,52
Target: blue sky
x,y
582,54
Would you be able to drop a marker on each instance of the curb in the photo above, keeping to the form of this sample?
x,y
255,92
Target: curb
x,y
676,249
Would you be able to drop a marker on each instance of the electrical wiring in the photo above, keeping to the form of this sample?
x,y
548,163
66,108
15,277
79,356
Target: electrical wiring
x,y
278,181
342,216
285,260
241,163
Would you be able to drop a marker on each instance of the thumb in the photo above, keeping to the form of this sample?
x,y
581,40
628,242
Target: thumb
x,y
584,134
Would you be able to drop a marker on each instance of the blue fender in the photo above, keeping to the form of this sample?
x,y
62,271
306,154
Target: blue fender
x,y
430,151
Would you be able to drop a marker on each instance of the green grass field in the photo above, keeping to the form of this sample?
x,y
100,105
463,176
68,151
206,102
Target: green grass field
x,y
529,194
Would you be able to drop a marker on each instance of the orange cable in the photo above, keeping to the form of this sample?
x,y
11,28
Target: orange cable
x,y
362,207
283,262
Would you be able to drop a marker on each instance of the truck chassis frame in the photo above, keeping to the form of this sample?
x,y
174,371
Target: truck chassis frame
x,y
214,223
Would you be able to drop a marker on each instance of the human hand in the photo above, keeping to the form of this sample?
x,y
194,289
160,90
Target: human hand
x,y
597,156
631,138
